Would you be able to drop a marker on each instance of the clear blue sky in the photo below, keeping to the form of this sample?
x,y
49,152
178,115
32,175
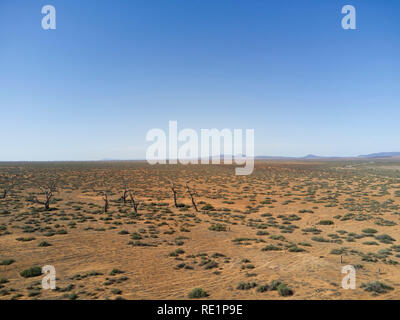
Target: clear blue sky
x,y
112,70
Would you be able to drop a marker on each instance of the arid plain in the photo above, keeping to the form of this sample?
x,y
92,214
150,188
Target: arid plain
x,y
113,231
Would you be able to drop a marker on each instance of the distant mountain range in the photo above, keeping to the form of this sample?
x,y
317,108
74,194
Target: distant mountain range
x,y
381,155
378,155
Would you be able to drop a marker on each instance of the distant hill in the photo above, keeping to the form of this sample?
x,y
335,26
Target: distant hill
x,y
381,155
313,156
316,157
273,157
307,157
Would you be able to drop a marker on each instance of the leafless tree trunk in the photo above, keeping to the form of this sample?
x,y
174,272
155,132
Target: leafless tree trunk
x,y
8,186
48,192
192,193
135,203
106,204
174,192
4,195
125,195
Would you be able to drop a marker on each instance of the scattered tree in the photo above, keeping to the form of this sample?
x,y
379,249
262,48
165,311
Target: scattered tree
x,y
4,195
9,182
174,192
134,202
106,203
192,193
125,194
48,192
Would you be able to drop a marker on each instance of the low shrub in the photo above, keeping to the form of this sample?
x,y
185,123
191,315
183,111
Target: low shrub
x,y
197,293
31,272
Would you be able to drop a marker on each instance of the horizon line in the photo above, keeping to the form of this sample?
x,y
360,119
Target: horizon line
x,y
259,157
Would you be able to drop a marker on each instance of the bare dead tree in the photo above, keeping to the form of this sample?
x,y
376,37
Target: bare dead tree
x,y
192,193
10,182
106,203
48,191
4,195
174,192
125,194
134,202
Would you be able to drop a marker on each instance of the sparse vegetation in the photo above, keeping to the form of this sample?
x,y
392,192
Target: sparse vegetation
x,y
125,215
376,287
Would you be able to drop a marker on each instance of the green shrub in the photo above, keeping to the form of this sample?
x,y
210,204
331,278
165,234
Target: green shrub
x,y
326,222
210,265
197,293
44,244
262,288
271,247
116,291
384,238
115,271
207,207
176,253
295,249
376,287
7,262
274,284
284,291
136,236
338,251
371,243
320,239
217,227
4,292
246,285
32,272
25,239
277,237
73,296
369,230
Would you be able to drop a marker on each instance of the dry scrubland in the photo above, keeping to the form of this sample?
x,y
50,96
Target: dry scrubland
x,y
283,232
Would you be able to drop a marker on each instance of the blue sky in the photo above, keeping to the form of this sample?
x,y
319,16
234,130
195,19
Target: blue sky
x,y
112,70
